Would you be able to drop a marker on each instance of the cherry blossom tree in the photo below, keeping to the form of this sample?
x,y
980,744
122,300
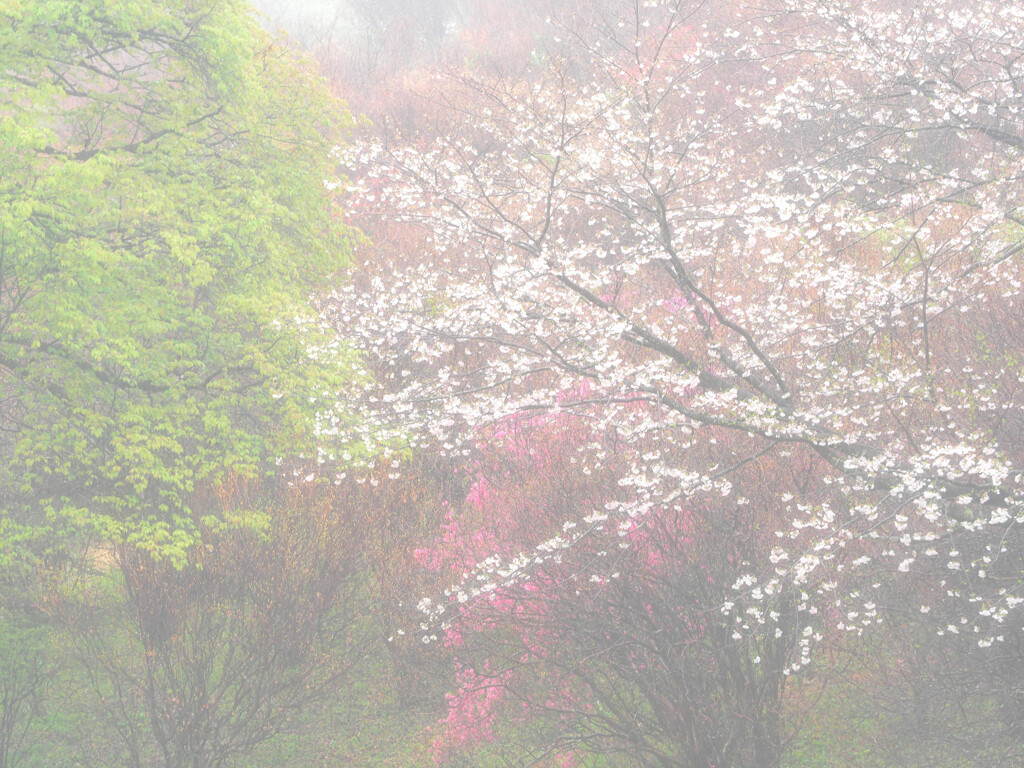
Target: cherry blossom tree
x,y
795,224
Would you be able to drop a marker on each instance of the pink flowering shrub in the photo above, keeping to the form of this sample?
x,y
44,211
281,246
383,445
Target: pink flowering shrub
x,y
635,638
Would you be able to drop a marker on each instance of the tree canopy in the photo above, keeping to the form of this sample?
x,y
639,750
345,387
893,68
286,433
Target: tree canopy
x,y
729,239
162,224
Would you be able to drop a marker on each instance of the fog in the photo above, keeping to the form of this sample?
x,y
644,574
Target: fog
x,y
512,384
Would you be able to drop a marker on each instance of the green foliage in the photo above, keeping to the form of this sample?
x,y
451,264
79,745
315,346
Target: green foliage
x,y
162,223
27,666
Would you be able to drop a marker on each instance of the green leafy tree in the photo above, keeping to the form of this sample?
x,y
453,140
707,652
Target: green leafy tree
x,y
162,224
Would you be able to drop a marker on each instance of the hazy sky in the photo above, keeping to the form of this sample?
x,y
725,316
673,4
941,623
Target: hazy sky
x,y
305,19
